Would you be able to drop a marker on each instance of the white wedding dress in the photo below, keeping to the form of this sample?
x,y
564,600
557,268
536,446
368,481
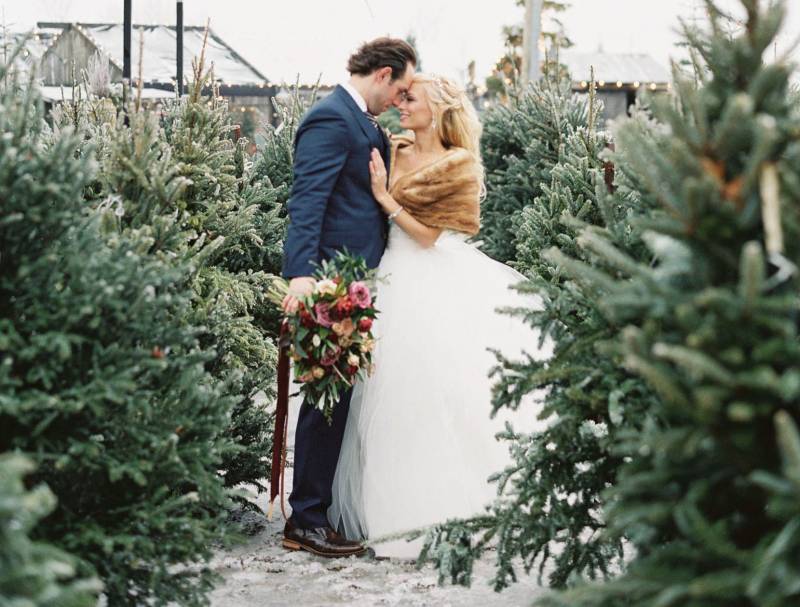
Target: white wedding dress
x,y
419,443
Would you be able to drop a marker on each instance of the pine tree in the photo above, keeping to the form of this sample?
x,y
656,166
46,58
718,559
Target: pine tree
x,y
33,573
103,379
520,145
178,175
225,202
709,492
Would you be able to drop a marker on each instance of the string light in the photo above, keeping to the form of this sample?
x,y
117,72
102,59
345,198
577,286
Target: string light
x,y
619,84
636,84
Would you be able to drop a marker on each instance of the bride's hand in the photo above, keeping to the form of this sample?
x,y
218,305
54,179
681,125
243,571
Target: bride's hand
x,y
377,173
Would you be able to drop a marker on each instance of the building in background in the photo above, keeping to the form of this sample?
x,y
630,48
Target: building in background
x,y
60,53
31,46
619,77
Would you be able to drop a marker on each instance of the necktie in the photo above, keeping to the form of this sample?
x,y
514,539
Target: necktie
x,y
373,120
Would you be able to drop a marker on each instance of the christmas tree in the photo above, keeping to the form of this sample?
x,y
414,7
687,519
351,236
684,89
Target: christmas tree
x,y
33,573
178,175
103,377
709,491
520,145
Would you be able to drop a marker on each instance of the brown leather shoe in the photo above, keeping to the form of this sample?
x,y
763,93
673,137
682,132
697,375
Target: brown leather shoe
x,y
322,541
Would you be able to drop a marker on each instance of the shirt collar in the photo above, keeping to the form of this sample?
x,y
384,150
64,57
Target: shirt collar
x,y
362,104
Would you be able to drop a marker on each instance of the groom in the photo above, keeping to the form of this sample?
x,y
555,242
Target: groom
x,y
332,207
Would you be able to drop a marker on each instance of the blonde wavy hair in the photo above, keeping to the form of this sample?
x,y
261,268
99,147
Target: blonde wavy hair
x,y
454,117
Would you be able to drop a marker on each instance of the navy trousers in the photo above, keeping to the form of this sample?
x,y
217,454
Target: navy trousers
x,y
316,452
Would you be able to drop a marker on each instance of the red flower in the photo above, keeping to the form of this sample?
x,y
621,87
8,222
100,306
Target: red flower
x,y
365,324
330,357
352,370
307,320
344,305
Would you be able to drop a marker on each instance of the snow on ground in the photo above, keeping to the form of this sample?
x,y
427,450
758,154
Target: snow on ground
x,y
261,573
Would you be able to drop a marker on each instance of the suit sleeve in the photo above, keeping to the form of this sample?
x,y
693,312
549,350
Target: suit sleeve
x,y
321,149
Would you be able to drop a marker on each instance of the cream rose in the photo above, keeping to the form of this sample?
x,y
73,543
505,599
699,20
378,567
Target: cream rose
x,y
326,287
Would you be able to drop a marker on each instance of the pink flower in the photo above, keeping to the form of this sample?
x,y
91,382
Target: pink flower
x,y
323,313
359,293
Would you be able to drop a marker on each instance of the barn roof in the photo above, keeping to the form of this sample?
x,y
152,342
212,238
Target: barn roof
x,y
159,57
614,67
33,43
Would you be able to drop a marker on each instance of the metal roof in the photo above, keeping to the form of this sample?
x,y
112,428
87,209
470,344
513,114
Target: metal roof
x,y
158,61
33,43
65,93
614,67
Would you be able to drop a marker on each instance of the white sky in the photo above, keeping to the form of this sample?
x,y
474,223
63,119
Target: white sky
x,y
286,37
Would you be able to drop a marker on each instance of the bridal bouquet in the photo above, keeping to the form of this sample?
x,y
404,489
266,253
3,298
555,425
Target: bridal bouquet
x,y
330,338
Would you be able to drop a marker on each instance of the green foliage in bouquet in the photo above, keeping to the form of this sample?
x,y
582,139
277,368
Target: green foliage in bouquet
x,y
549,511
32,573
330,337
708,495
520,145
103,376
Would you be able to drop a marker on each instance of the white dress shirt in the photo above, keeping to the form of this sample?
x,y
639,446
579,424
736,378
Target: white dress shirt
x,y
355,95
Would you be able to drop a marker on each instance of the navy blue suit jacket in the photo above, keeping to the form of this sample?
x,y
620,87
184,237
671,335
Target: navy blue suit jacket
x,y
331,204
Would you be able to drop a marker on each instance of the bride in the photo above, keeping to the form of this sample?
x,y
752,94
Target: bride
x,y
419,442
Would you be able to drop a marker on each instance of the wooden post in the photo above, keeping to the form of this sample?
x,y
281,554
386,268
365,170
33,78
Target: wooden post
x,y
127,28
533,31
179,49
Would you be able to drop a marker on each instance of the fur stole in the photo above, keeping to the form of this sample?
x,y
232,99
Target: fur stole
x,y
442,194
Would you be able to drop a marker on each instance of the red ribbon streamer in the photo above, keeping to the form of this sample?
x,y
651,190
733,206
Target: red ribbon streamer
x,y
281,420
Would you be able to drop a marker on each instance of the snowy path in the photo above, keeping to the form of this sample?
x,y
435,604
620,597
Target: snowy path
x,y
261,573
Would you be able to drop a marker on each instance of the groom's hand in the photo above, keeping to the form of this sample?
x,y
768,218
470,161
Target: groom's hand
x,y
300,286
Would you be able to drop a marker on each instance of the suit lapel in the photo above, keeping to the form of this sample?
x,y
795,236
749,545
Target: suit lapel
x,y
374,135
361,119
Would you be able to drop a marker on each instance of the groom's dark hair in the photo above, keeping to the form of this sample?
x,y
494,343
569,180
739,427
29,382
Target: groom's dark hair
x,y
380,53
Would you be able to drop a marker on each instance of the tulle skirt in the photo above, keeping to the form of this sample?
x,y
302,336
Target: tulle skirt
x,y
419,444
